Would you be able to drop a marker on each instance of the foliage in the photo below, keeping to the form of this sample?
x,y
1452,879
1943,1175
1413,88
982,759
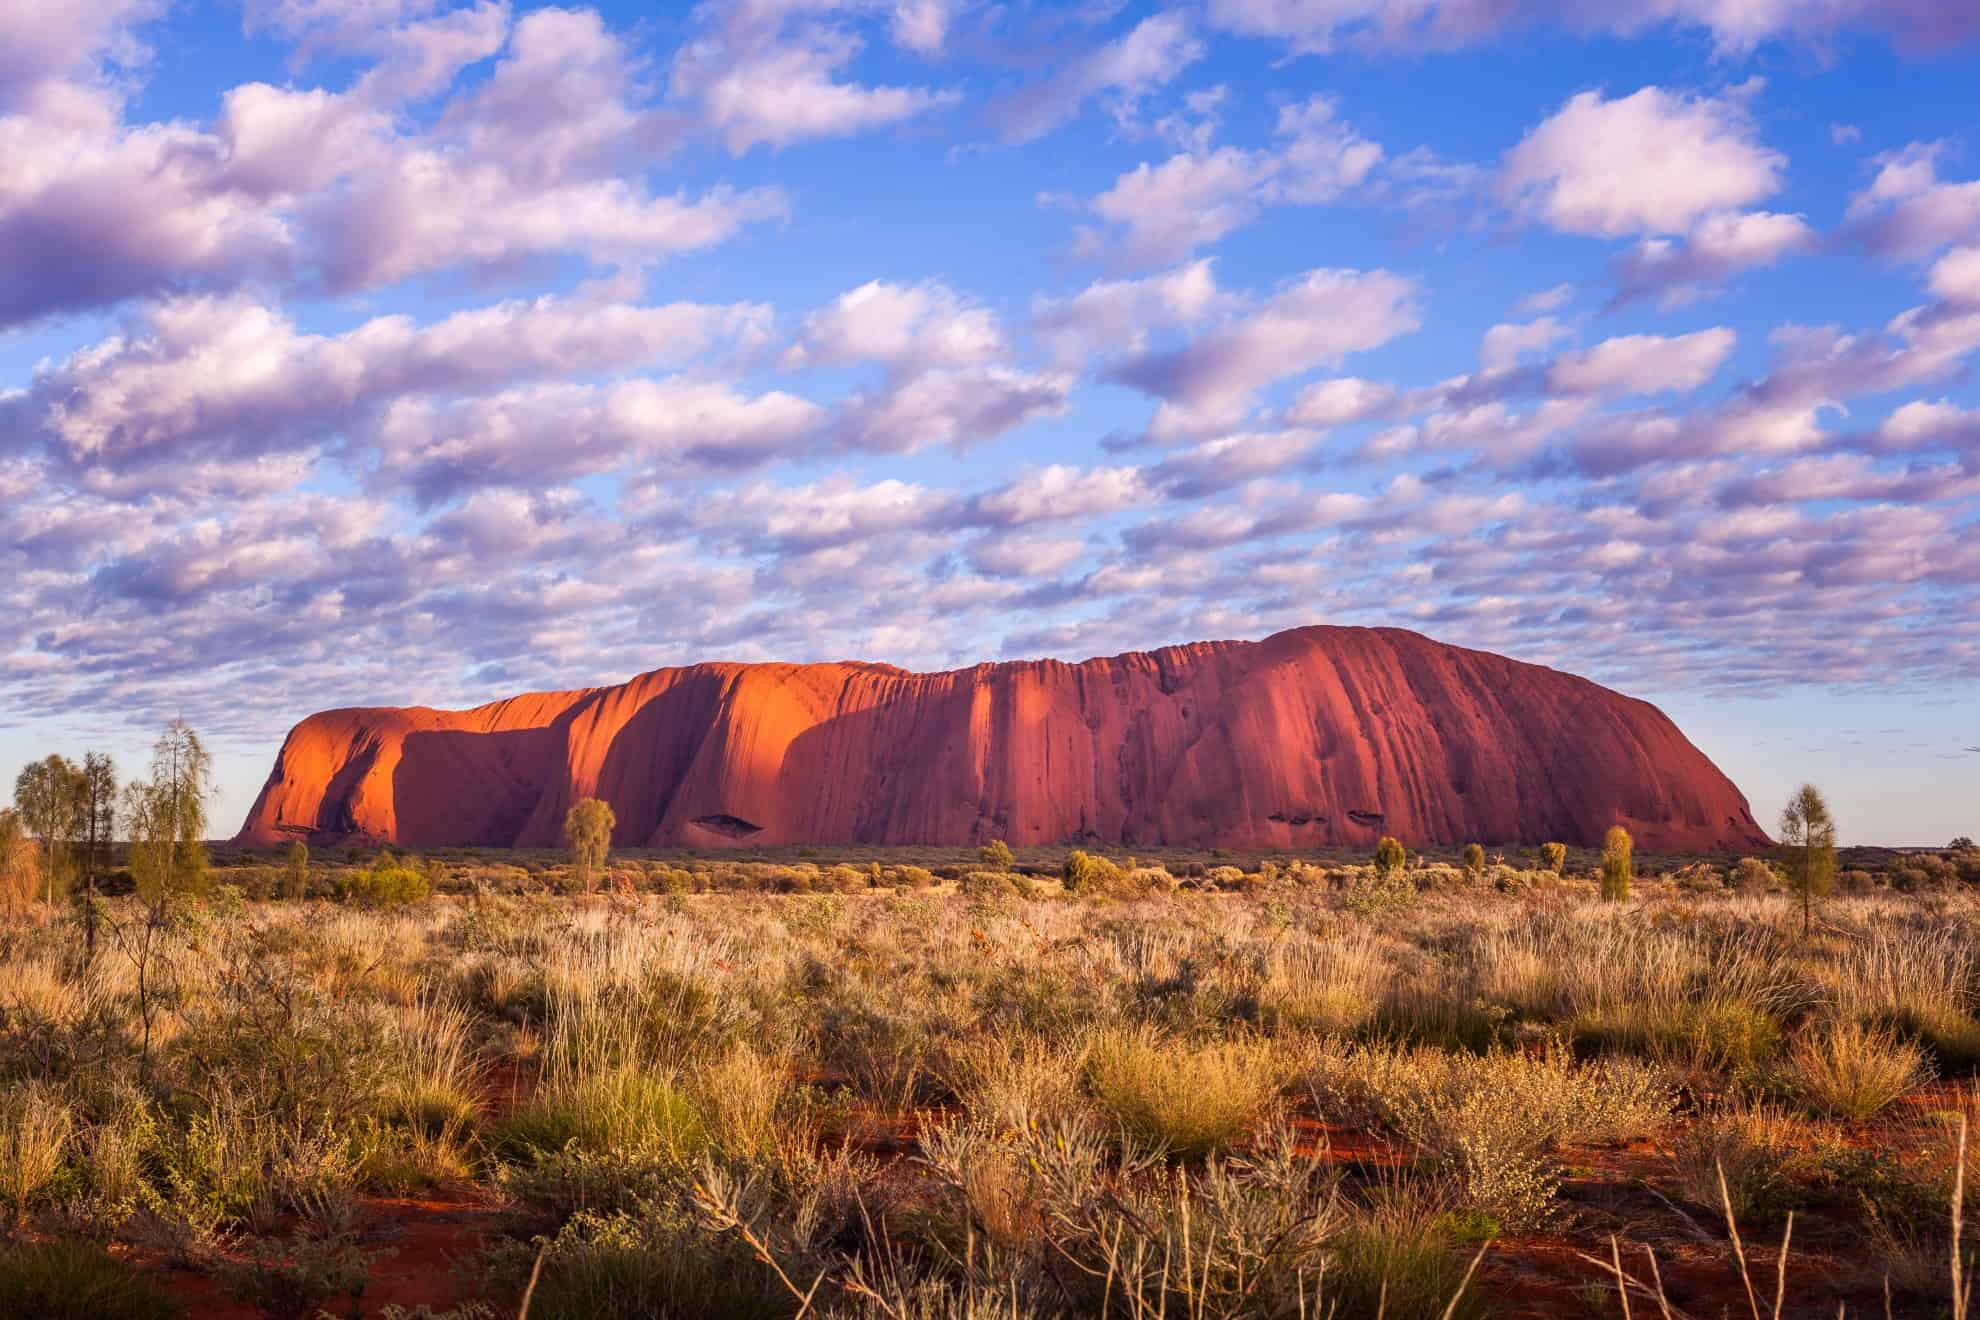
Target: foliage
x,y
35,1128
1474,860
166,816
386,885
46,794
1617,864
295,870
1380,889
1853,1071
292,1279
1553,857
1091,874
75,1280
997,855
1389,856
1184,1098
651,1264
588,825
1808,848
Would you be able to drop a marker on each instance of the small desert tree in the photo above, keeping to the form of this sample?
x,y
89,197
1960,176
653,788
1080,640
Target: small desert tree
x,y
166,818
1808,849
997,855
96,826
1617,864
1389,856
589,826
45,794
295,872
1553,856
1474,859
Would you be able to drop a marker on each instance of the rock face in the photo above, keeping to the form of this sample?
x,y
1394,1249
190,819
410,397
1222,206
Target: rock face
x,y
1314,737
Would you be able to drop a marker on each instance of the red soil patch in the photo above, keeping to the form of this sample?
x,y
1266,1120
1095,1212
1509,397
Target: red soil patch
x,y
425,1237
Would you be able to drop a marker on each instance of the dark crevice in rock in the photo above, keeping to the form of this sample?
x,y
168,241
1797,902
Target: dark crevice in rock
x,y
733,826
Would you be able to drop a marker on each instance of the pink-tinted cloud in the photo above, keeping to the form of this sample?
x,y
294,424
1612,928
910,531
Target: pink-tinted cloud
x,y
1653,162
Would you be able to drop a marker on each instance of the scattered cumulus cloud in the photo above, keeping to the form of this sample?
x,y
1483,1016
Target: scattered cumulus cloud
x,y
1652,162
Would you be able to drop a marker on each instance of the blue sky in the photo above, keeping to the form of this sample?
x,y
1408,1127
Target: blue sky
x,y
408,351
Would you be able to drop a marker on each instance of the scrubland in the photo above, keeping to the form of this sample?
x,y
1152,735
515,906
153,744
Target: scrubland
x,y
920,1085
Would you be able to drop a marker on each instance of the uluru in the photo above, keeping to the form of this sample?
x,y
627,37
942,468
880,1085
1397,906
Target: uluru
x,y
1314,737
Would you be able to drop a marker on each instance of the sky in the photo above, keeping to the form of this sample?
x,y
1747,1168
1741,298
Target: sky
x,y
393,352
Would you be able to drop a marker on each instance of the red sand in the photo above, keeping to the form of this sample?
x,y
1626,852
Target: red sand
x,y
1313,738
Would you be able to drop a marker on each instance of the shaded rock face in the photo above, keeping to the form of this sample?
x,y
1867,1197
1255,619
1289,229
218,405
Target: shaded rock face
x,y
1315,737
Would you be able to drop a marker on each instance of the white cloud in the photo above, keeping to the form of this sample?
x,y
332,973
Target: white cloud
x,y
1025,556
1653,162
1182,204
1644,364
213,376
1546,300
1677,271
1060,492
559,431
1340,402
948,406
1736,26
308,186
758,85
1114,316
1315,321
1151,55
1955,277
902,326
1909,212
47,48
1505,344
1195,198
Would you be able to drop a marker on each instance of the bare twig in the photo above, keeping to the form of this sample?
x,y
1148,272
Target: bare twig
x,y
1450,1307
1692,1226
1739,1251
535,1273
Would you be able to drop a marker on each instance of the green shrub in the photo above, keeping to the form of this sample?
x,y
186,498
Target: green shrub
x,y
35,1127
997,855
655,1264
1092,875
1398,1271
1616,864
1494,1120
1377,890
70,1280
1754,1147
1389,856
384,886
1190,1099
1853,1071
1753,873
1474,860
1553,857
621,1109
292,1279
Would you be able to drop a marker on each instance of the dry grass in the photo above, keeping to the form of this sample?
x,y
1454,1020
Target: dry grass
x,y
1191,1099
932,1102
1853,1071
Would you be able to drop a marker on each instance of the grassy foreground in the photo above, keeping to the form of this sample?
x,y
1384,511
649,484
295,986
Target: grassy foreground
x,y
879,1087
